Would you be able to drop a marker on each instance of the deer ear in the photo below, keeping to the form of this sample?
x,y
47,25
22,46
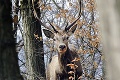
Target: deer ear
x,y
72,29
48,33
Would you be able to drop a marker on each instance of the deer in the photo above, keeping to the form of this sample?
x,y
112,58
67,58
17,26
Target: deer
x,y
57,68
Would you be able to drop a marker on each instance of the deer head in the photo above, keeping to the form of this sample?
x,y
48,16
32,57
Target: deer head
x,y
61,37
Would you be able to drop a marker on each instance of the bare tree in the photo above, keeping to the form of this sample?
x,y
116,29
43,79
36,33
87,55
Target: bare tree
x,y
33,46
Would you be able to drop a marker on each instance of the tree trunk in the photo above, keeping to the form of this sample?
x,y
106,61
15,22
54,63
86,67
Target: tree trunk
x,y
38,57
33,48
28,46
110,28
9,69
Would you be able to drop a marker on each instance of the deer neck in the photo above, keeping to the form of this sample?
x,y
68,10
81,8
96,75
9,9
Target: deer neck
x,y
65,59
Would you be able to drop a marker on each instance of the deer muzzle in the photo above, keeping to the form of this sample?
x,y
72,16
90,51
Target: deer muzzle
x,y
62,47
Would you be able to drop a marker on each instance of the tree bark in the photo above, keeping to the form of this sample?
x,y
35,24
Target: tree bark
x,y
38,57
9,69
33,48
110,28
28,47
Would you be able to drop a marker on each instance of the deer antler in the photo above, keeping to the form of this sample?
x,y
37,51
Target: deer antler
x,y
79,15
53,28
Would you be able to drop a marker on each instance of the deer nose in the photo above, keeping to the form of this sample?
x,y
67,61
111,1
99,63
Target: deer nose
x,y
62,47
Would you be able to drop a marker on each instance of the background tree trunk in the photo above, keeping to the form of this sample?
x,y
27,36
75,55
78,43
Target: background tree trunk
x,y
38,57
9,69
110,28
33,47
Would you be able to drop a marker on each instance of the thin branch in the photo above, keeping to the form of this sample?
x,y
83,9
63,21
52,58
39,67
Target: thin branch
x,y
56,4
36,16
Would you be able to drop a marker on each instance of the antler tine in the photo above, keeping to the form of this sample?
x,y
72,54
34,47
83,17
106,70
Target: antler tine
x,y
67,28
66,25
79,15
53,28
45,26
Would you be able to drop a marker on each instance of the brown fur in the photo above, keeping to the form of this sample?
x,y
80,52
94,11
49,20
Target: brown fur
x,y
57,68
61,70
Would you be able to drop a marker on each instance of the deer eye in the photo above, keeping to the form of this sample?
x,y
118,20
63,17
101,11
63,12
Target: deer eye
x,y
67,37
54,39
